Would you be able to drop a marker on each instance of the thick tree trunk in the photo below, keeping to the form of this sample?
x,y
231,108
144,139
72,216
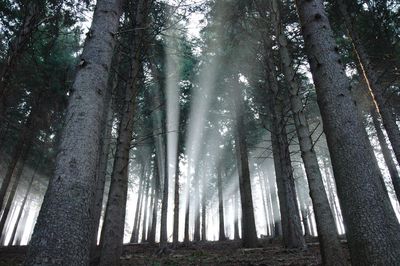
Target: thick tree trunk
x,y
21,210
373,232
387,155
63,229
331,250
222,236
249,233
371,77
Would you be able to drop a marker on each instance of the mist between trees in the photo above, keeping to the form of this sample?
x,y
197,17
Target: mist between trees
x,y
187,121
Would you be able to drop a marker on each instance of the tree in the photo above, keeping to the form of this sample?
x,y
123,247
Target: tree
x,y
62,231
372,228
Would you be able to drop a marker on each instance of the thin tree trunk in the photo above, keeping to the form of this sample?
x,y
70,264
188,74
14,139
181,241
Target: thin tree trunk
x,y
249,233
152,234
331,251
138,204
105,143
387,155
22,147
175,236
11,196
236,235
21,210
222,236
144,227
196,236
22,225
203,210
373,232
186,238
275,212
114,221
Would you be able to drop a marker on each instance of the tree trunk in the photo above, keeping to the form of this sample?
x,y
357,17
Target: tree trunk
x,y
22,225
145,210
373,232
331,250
371,78
290,215
10,199
186,238
235,198
196,236
22,147
136,221
275,212
152,234
105,143
387,155
63,229
175,236
222,236
114,221
203,210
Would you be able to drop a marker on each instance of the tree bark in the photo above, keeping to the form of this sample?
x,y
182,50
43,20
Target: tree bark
x,y
138,204
63,230
373,232
235,198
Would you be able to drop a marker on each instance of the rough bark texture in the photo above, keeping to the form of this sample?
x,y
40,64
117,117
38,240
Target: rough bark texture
x,y
371,77
63,229
222,236
387,155
249,233
331,249
373,232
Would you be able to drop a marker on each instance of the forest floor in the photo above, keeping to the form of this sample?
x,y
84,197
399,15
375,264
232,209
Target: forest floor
x,y
270,253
